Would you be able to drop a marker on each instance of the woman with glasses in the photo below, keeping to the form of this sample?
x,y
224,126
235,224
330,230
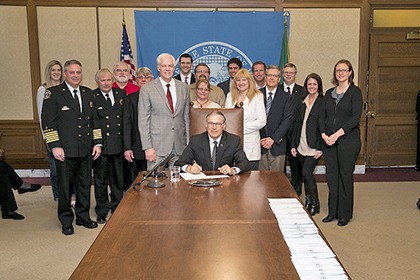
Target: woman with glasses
x,y
306,143
244,93
339,128
202,91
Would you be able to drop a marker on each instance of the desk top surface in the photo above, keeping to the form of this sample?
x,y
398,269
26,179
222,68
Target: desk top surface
x,y
187,232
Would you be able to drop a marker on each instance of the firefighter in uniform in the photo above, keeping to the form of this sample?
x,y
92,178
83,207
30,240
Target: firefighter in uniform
x,y
109,106
72,132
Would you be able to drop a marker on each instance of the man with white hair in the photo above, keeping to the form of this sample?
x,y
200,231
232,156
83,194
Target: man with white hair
x,y
164,114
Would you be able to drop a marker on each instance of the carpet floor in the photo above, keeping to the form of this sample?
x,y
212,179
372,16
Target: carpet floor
x,y
381,242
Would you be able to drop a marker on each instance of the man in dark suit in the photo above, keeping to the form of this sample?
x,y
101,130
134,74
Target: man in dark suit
x,y
234,65
297,93
186,75
164,114
133,151
214,149
278,106
109,106
10,180
73,135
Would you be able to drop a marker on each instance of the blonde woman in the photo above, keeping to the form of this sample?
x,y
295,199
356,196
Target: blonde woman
x,y
245,94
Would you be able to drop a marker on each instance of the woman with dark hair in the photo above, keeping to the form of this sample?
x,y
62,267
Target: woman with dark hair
x,y
339,127
202,88
306,139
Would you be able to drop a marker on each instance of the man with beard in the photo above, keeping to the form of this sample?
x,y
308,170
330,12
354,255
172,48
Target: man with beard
x,y
122,76
202,71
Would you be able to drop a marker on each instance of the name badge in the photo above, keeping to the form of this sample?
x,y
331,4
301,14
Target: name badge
x,y
65,108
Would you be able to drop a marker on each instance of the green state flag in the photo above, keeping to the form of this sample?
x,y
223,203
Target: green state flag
x,y
284,56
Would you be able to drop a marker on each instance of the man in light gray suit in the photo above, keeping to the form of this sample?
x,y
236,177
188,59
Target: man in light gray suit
x,y
164,114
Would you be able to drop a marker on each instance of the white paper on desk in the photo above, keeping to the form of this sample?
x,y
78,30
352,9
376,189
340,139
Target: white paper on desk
x,y
200,176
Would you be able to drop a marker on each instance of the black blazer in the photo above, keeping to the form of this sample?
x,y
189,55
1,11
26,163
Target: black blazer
x,y
178,77
65,126
131,126
225,86
279,120
345,114
111,120
229,152
298,95
313,136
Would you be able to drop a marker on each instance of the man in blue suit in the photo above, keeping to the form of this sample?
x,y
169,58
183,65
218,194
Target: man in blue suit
x,y
279,111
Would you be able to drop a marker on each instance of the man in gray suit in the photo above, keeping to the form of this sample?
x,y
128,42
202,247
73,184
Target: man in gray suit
x,y
164,114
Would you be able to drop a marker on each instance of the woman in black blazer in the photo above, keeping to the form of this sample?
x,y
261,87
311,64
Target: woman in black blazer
x,y
306,139
339,127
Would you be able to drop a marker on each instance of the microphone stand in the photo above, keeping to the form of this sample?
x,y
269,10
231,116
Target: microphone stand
x,y
155,183
154,171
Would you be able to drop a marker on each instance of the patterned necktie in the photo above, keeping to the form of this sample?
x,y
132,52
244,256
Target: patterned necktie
x,y
108,100
186,80
76,98
288,90
169,97
268,104
213,155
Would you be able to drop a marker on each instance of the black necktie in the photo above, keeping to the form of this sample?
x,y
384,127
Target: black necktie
x,y
108,100
288,90
186,80
213,155
76,98
268,104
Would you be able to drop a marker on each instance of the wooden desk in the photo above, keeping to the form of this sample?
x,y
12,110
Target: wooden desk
x,y
186,232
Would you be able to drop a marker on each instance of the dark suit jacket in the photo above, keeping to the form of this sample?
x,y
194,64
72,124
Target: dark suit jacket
x,y
178,77
65,126
279,120
131,126
230,152
298,95
313,136
225,86
345,114
111,120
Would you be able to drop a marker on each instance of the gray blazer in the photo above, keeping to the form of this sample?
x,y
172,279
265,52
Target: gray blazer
x,y
159,127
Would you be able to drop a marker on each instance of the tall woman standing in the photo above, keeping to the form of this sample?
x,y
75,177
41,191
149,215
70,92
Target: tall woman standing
x,y
244,93
339,128
53,77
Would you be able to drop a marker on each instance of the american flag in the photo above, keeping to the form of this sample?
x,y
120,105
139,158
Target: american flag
x,y
126,54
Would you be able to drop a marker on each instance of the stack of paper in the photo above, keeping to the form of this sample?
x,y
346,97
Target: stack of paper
x,y
310,255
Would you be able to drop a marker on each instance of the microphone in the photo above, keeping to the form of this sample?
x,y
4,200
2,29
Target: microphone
x,y
147,174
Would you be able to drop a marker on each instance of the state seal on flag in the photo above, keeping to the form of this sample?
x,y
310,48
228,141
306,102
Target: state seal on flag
x,y
216,55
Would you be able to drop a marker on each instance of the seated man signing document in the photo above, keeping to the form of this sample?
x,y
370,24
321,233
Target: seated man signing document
x,y
214,149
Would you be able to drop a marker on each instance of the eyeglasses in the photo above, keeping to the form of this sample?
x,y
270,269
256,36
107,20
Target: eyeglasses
x,y
214,124
342,71
272,75
289,73
203,89
121,70
143,77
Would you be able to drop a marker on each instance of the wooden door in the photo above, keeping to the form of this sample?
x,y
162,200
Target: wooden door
x,y
394,70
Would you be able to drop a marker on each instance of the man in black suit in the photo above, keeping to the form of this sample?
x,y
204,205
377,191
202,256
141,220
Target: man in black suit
x,y
73,135
278,107
297,93
109,106
214,149
234,65
186,75
10,180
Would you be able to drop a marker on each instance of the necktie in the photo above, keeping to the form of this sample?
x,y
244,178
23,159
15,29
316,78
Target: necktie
x,y
186,80
268,104
108,100
169,97
213,155
288,90
76,98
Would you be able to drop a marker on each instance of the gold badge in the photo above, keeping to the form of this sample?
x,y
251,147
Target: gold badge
x,y
47,94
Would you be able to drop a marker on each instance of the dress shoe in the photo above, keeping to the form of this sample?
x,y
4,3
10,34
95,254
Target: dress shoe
x,y
101,219
313,207
307,203
343,222
87,223
67,230
12,216
33,188
328,219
